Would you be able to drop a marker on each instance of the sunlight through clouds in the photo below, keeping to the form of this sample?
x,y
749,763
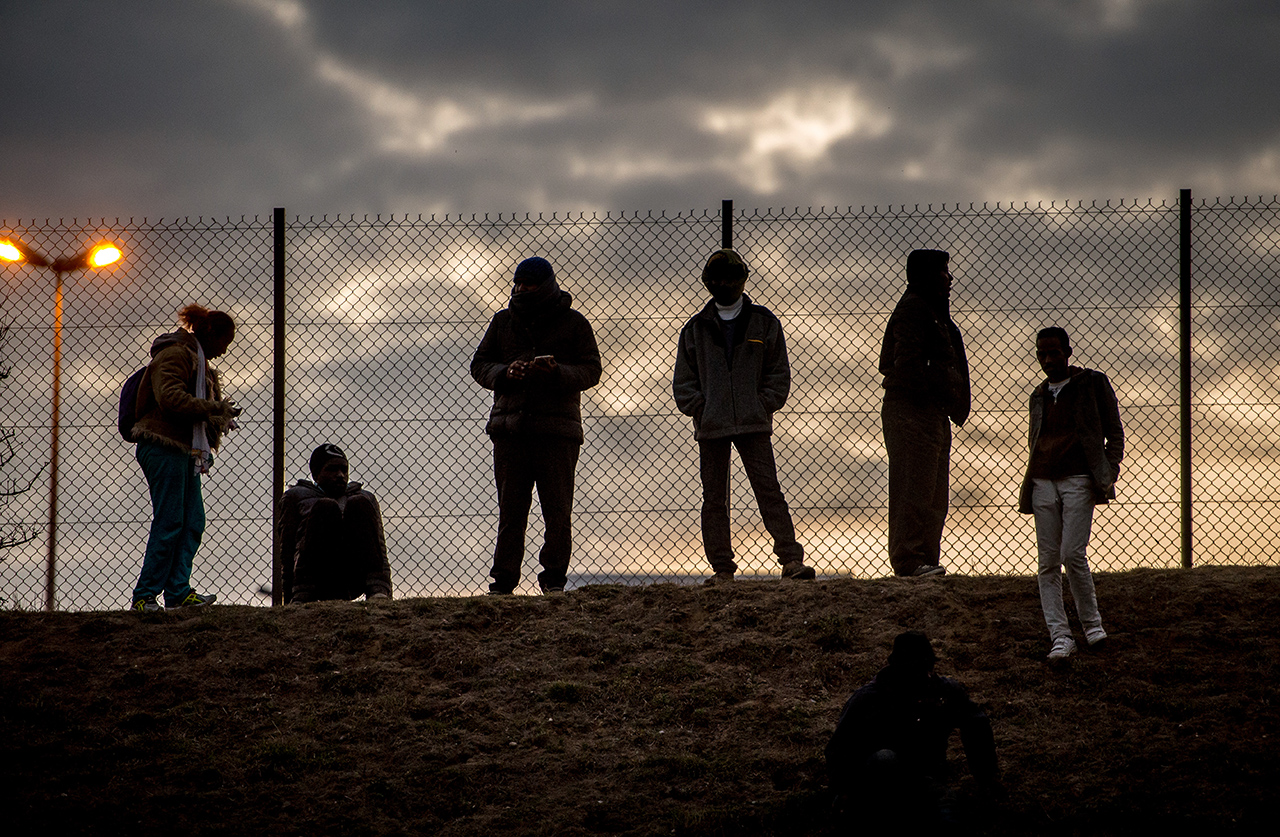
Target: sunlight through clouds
x,y
797,127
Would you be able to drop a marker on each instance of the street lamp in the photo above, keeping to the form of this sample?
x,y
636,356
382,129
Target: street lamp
x,y
99,255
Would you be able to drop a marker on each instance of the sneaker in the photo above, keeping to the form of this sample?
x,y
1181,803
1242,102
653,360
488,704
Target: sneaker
x,y
798,571
1063,647
722,577
1096,638
928,569
194,599
496,591
147,604
552,589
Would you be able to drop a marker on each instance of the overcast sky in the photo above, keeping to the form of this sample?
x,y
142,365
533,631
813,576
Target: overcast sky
x,y
159,108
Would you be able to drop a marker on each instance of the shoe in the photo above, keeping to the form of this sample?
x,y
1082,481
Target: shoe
x,y
1097,639
722,577
497,591
1063,647
147,604
194,599
928,569
552,589
798,571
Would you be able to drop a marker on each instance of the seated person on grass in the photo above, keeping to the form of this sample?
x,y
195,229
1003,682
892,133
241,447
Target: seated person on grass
x,y
331,540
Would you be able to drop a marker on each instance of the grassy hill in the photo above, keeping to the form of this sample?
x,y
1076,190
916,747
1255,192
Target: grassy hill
x,y
631,710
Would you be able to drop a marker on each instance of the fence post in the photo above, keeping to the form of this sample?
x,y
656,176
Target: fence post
x,y
277,426
726,223
1184,348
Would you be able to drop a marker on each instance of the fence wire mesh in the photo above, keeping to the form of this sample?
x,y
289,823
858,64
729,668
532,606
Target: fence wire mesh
x,y
383,315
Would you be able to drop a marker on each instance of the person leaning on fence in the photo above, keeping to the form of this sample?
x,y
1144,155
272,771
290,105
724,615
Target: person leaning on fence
x,y
1076,442
732,375
926,386
331,541
181,418
537,356
886,759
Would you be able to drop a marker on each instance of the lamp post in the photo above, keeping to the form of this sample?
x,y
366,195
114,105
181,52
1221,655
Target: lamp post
x,y
99,255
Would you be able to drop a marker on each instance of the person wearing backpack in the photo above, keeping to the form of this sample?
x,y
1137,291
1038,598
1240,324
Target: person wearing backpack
x,y
181,417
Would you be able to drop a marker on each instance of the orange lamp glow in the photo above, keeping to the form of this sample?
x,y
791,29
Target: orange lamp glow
x,y
102,255
10,252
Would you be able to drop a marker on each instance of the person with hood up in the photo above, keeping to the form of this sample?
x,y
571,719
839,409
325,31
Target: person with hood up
x,y
332,544
1076,443
926,386
731,376
537,356
181,418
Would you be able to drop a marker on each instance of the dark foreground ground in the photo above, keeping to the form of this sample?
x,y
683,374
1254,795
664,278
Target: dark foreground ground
x,y
636,710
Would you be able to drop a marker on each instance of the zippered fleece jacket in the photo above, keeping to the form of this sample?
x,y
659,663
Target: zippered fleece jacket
x,y
546,404
167,407
731,401
1097,423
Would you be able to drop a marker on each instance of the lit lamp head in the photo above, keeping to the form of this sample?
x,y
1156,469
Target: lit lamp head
x,y
13,250
99,255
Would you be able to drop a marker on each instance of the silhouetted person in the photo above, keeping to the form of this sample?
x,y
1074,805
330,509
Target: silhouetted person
x,y
181,418
1076,443
331,540
537,356
926,386
887,758
731,376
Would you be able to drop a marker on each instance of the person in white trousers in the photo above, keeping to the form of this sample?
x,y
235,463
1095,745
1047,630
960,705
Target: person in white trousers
x,y
1076,442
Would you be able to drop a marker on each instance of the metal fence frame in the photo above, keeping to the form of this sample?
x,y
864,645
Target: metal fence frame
x,y
307,243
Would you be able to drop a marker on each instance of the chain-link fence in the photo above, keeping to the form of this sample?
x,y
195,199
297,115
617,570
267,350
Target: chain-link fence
x,y
383,316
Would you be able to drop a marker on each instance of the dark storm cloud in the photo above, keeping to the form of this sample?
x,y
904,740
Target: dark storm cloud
x,y
235,106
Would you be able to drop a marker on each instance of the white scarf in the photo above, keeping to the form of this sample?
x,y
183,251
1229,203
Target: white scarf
x,y
200,433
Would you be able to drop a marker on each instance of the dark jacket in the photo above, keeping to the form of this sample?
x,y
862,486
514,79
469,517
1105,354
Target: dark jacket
x,y
726,401
922,357
167,408
914,717
541,404
295,508
1097,423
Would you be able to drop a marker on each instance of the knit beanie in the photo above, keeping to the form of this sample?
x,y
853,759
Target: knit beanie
x,y
323,454
536,302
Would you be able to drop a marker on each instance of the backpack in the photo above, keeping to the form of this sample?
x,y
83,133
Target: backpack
x,y
129,406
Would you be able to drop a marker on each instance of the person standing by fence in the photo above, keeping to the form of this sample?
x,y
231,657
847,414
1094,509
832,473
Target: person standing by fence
x,y
537,356
731,376
926,386
182,417
1076,443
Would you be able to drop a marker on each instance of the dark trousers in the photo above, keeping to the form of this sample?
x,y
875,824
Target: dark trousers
x,y
918,441
519,464
338,555
756,451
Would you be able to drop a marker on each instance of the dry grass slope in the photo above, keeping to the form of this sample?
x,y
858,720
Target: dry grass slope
x,y
612,710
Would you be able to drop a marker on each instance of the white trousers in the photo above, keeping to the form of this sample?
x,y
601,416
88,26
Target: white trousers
x,y
1064,518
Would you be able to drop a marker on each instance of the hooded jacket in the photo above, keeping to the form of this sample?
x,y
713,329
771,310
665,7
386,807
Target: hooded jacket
x,y
167,407
1097,424
922,357
548,403
732,400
